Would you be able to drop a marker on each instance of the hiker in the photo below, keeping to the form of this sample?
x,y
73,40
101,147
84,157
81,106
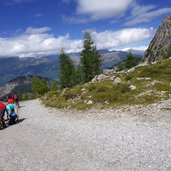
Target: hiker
x,y
10,99
16,100
2,113
12,114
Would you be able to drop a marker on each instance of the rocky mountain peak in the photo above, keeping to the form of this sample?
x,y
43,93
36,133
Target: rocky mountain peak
x,y
160,42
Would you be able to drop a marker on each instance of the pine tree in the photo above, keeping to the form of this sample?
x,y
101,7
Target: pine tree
x,y
67,71
39,86
129,62
54,86
90,59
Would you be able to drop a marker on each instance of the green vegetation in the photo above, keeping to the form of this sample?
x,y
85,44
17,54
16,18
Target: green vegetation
x,y
152,84
67,71
39,86
54,86
89,68
90,59
129,62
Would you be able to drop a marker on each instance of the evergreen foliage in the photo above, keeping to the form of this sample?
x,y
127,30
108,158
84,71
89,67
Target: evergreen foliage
x,y
67,71
90,59
129,62
54,86
39,86
79,75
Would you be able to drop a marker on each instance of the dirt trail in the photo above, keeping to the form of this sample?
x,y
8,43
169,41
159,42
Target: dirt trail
x,y
57,140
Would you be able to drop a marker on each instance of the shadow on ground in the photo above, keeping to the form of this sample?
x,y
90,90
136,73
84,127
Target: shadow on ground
x,y
19,121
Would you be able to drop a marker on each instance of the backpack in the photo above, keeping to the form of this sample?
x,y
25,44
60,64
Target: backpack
x,y
2,106
15,97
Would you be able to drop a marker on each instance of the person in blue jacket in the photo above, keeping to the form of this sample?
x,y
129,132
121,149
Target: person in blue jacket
x,y
12,114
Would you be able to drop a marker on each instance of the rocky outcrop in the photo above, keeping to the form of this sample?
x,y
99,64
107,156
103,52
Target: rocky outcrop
x,y
160,42
7,89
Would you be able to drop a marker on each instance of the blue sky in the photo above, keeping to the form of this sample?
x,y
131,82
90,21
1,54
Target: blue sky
x,y
42,27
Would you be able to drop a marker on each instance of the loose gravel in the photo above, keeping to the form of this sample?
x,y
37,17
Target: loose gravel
x,y
127,139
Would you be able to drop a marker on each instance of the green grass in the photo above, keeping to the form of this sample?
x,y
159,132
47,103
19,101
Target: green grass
x,y
105,94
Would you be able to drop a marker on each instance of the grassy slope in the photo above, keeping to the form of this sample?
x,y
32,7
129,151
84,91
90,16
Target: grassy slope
x,y
105,94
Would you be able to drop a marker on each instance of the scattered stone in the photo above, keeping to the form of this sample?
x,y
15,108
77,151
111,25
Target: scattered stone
x,y
89,102
101,77
106,102
143,78
117,81
83,89
131,70
156,82
108,72
132,87
94,79
112,78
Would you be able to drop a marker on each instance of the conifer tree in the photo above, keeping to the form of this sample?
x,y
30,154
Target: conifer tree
x,y
54,86
39,86
67,71
90,59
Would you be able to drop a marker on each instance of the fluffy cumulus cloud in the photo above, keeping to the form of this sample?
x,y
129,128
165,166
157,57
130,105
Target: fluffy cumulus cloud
x,y
98,9
115,39
37,41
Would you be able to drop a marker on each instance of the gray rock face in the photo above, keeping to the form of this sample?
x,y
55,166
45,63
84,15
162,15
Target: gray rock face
x,y
7,89
160,42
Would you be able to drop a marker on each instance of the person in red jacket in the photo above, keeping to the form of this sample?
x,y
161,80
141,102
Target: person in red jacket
x,y
10,99
16,99
2,113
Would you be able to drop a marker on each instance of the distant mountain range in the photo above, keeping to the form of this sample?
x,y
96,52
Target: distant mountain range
x,y
48,66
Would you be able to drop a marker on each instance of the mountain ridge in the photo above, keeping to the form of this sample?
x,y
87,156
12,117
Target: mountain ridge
x,y
48,66
160,42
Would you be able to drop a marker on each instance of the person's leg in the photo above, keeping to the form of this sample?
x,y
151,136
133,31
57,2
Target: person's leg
x,y
2,121
11,120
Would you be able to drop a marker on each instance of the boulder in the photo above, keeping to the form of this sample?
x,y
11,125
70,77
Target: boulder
x,y
117,81
101,77
132,87
108,72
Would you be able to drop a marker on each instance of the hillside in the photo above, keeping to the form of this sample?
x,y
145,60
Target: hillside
x,y
144,84
20,85
13,67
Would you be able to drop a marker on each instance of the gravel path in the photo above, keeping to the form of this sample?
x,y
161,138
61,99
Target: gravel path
x,y
57,140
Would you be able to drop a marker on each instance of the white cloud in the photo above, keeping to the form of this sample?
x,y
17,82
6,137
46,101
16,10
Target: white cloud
x,y
39,42
129,11
138,48
98,9
145,14
115,39
74,20
31,30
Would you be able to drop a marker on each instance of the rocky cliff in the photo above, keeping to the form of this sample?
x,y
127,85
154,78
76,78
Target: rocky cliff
x,y
160,42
